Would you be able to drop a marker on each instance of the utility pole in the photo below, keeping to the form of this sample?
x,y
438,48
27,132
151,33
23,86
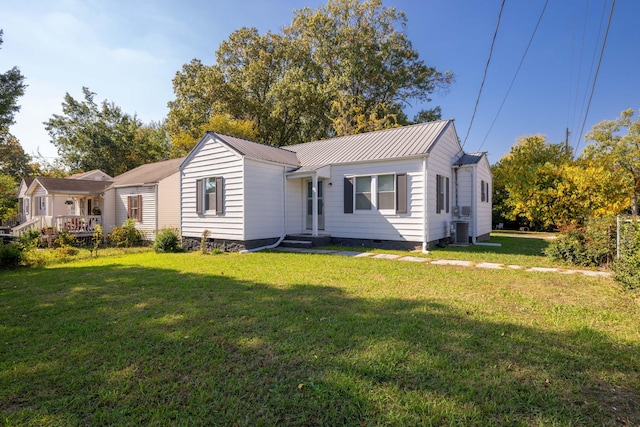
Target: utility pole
x,y
566,142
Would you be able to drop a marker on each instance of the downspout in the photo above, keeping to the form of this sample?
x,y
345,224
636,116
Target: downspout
x,y
425,227
284,218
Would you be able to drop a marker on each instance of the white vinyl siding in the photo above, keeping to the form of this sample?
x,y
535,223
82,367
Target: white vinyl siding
x,y
264,200
213,159
148,224
169,202
376,224
296,200
484,210
440,162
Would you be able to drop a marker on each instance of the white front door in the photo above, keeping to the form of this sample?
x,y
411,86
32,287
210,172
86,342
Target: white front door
x,y
310,206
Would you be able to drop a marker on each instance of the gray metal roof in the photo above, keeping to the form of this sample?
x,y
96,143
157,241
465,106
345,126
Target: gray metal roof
x,y
470,158
257,150
392,143
148,174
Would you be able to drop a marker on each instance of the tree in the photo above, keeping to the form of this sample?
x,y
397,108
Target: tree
x,y
11,88
529,180
368,64
618,152
342,69
13,160
8,196
91,136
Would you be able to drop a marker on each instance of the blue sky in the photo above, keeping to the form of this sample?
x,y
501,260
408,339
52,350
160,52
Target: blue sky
x,y
128,52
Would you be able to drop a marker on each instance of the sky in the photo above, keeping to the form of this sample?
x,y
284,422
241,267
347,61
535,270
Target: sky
x,y
128,52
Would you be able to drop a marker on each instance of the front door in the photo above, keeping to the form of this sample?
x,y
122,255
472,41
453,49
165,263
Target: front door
x,y
310,206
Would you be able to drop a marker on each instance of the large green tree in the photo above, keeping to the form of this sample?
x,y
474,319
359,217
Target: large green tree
x,y
91,136
615,145
344,68
527,180
13,160
11,88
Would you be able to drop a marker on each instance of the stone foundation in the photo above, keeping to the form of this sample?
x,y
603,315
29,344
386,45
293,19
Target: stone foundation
x,y
193,244
374,243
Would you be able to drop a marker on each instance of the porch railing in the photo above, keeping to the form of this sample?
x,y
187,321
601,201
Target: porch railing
x,y
77,223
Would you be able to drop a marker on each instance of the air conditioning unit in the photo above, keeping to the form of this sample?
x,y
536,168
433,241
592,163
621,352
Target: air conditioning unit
x,y
461,233
462,211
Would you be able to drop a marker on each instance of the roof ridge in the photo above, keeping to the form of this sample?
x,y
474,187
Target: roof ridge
x,y
249,140
373,131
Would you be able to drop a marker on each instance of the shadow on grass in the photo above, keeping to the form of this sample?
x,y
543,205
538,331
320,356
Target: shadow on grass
x,y
129,345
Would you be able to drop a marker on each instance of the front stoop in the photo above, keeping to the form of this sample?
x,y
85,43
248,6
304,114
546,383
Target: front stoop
x,y
305,241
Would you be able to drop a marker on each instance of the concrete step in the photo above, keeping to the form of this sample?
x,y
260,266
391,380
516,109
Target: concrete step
x,y
290,243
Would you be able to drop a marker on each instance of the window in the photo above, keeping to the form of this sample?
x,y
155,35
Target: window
x,y
26,206
386,192
381,192
363,193
442,194
209,195
134,207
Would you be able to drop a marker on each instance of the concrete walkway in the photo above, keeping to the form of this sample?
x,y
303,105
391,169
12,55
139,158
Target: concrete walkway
x,y
455,262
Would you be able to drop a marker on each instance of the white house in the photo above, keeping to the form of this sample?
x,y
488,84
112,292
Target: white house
x,y
401,187
73,204
150,194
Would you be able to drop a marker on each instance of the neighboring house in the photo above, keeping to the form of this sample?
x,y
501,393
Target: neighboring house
x,y
150,194
73,204
401,187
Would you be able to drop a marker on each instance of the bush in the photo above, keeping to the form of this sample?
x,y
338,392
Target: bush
x,y
29,239
66,239
127,235
593,245
167,240
627,268
10,255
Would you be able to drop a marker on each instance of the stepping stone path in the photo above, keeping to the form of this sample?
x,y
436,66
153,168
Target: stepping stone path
x,y
456,262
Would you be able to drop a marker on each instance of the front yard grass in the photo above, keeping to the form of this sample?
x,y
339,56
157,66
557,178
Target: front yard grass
x,y
298,339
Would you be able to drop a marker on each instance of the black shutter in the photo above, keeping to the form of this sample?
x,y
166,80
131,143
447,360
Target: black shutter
x,y
447,195
401,193
219,195
128,206
199,198
348,195
482,188
438,194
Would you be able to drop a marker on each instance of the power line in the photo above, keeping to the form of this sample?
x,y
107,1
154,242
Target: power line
x,y
484,77
516,74
595,78
593,61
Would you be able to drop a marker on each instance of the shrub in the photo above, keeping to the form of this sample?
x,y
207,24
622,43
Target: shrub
x,y
627,268
167,240
127,235
591,245
97,238
66,239
203,241
29,239
10,255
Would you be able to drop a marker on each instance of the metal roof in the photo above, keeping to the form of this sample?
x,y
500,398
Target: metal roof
x,y
148,174
257,150
392,143
470,158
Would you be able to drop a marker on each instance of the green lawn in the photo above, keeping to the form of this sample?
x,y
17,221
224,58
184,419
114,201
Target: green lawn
x,y
296,339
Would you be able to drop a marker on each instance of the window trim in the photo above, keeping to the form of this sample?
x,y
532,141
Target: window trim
x,y
400,201
202,198
137,215
442,194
